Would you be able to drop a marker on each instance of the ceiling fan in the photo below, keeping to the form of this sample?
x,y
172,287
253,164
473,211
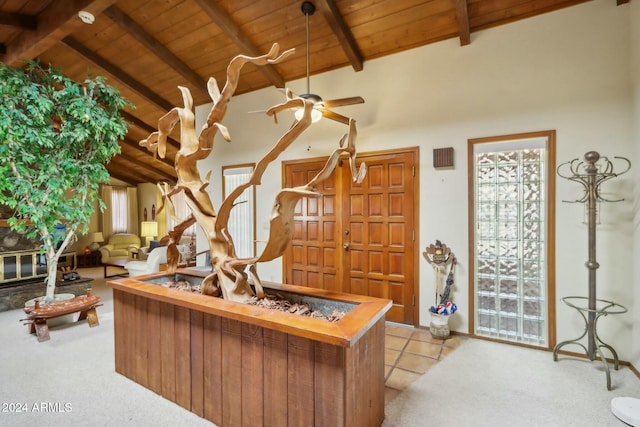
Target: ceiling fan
x,y
321,107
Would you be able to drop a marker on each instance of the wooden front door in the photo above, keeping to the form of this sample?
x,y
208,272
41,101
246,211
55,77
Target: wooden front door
x,y
358,238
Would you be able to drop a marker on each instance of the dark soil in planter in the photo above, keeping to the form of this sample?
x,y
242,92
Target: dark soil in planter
x,y
300,305
278,302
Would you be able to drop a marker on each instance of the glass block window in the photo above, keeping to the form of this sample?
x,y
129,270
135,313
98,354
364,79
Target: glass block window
x,y
510,272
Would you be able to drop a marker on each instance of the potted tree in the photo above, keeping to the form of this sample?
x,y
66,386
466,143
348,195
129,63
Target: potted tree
x,y
55,134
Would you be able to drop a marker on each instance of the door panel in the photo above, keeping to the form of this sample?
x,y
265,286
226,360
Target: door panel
x,y
358,238
313,256
380,221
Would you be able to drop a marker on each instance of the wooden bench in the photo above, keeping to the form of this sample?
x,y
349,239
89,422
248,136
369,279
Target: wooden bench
x,y
39,313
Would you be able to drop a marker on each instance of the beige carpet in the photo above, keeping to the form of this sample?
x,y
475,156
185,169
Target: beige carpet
x,y
484,383
70,381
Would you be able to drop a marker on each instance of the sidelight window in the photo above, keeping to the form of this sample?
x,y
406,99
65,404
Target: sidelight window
x,y
511,234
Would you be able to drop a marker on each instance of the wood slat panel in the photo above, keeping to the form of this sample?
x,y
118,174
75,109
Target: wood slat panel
x,y
212,343
140,341
154,346
363,391
167,351
232,372
182,328
329,385
252,375
275,378
197,363
119,334
300,386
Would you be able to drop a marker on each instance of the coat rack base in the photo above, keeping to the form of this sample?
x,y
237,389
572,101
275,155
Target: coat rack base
x,y
594,343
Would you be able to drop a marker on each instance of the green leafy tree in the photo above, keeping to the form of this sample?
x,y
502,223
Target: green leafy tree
x,y
56,135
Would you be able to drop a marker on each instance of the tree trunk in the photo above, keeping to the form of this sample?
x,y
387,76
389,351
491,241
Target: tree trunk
x,y
52,274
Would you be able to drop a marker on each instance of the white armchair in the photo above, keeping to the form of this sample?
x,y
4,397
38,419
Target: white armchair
x,y
150,265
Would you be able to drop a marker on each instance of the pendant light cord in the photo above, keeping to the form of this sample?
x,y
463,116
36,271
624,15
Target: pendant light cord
x,y
308,85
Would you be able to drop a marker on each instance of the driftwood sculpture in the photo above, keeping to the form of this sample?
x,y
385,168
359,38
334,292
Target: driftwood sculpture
x,y
229,277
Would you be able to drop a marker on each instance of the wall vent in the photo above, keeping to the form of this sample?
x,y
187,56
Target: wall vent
x,y
443,157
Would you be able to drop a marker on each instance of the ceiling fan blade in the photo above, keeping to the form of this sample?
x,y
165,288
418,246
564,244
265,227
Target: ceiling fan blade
x,y
332,103
335,116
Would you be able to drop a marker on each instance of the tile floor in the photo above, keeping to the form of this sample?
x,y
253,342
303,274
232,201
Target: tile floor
x,y
409,353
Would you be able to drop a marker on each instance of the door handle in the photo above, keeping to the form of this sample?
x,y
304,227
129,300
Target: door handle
x,y
345,246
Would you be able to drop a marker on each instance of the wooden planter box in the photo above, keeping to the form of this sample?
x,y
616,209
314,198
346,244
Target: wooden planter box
x,y
241,365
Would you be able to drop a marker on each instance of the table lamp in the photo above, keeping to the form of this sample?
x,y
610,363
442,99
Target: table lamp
x,y
96,238
149,230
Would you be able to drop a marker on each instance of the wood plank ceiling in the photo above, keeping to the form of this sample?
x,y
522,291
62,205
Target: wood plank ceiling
x,y
147,48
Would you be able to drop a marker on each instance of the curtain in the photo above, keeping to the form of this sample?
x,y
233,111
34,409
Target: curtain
x,y
241,225
132,211
121,213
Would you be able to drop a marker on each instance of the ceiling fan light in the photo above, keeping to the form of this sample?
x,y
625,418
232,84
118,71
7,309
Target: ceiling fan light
x,y
86,17
316,115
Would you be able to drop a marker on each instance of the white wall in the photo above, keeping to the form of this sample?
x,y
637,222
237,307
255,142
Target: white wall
x,y
635,82
568,70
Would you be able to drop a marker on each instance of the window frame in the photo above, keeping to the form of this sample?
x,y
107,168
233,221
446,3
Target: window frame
x,y
550,135
225,192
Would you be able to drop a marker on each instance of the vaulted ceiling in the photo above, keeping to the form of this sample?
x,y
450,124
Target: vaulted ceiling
x,y
147,48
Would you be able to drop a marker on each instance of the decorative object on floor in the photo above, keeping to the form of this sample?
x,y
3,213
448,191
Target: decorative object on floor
x,y
440,256
68,273
51,123
230,277
591,173
39,313
96,239
627,409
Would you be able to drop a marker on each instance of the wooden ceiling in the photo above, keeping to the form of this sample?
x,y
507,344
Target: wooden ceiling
x,y
147,48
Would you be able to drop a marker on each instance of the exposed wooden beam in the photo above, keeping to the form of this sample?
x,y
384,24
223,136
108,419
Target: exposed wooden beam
x,y
134,121
147,167
463,22
342,31
223,20
134,145
136,175
114,172
118,73
156,47
25,22
55,22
